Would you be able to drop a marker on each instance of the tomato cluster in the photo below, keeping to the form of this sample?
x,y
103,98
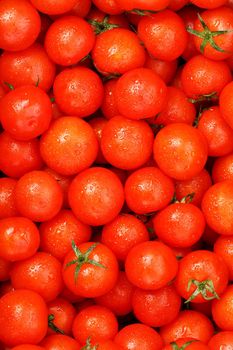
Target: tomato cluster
x,y
116,175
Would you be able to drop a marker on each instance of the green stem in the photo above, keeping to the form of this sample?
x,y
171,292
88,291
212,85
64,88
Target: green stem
x,y
53,326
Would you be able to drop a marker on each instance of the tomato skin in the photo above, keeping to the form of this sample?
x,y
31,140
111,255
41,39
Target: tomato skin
x,y
86,285
209,4
94,186
78,91
148,189
225,103
165,69
179,225
30,66
221,340
117,51
223,169
19,25
27,347
38,196
217,207
68,40
57,234
156,308
180,151
210,267
66,138
222,310
151,265
18,157
202,76
110,7
151,5
7,200
19,238
40,273
52,7
26,112
124,232
119,298
109,105
140,94
223,247
127,144
188,324
96,320
81,8
19,308
60,342
138,336
183,344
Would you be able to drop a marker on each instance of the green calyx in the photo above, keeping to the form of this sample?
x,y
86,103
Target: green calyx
x,y
203,98
83,258
202,288
142,12
53,326
88,345
183,347
207,36
100,27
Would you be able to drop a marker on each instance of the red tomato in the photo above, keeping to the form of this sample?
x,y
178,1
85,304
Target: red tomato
x,y
27,347
68,40
98,124
221,340
156,308
150,5
88,260
78,91
7,200
30,66
109,105
187,343
138,336
204,283
19,238
217,207
110,7
151,265
224,248
127,144
60,342
180,151
165,69
25,112
140,94
148,190
102,189
222,310
19,25
69,145
165,25
19,308
57,234
225,103
40,273
223,168
209,4
97,321
52,7
117,51
81,8
38,196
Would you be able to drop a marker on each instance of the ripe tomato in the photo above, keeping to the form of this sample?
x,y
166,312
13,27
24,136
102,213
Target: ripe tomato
x,y
117,51
19,308
140,94
27,347
223,168
110,7
217,207
187,343
138,336
88,260
119,298
7,200
148,189
179,225
78,91
60,342
57,234
95,321
96,196
224,248
165,69
127,144
156,308
188,324
31,66
206,282
225,103
40,273
18,37
19,238
180,151
165,25
68,40
209,4
222,310
52,7
109,105
5,267
151,265
81,8
18,157
151,5
123,233
69,145
25,112
221,340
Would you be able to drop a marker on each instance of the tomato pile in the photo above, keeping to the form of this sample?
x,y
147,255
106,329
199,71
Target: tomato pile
x,y
116,175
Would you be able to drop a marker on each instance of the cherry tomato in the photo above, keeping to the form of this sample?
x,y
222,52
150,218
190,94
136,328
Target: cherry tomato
x,y
223,168
7,200
60,342
109,105
150,5
224,248
221,339
52,7
165,69
225,103
209,4
222,310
